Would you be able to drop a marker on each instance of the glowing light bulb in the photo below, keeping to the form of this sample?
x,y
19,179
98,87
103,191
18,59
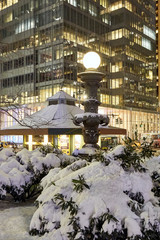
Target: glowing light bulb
x,y
91,60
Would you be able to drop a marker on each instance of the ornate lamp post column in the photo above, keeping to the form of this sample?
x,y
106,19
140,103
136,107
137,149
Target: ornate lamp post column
x,y
91,119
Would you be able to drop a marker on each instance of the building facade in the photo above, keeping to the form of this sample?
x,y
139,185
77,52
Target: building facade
x,y
42,43
158,48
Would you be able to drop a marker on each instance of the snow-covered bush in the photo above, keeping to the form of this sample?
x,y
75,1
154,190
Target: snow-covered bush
x,y
49,149
21,173
101,199
154,167
133,155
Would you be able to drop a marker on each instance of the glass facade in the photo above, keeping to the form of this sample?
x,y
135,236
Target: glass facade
x,y
133,61
158,49
42,43
139,124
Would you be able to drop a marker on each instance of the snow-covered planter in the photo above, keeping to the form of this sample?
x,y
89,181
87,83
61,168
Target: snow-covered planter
x,y
21,173
99,200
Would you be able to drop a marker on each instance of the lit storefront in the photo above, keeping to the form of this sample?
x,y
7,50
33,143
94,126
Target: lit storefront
x,y
67,143
138,123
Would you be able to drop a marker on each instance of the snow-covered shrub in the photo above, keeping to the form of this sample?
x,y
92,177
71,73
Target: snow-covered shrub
x,y
99,155
14,177
79,184
146,149
5,153
100,201
134,155
4,183
156,180
49,149
21,173
154,168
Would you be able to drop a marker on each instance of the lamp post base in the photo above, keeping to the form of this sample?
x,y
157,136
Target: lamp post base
x,y
96,146
88,150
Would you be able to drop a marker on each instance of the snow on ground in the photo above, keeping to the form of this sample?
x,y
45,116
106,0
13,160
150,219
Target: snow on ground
x,y
14,223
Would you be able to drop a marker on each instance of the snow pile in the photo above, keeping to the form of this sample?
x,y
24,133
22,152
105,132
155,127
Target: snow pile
x,y
98,200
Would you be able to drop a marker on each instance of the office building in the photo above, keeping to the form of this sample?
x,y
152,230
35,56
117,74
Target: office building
x,y
158,49
42,43
133,65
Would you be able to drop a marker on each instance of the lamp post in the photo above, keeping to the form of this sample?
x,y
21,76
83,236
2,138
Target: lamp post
x,y
91,119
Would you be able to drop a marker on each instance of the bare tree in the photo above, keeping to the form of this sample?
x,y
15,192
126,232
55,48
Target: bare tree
x,y
13,109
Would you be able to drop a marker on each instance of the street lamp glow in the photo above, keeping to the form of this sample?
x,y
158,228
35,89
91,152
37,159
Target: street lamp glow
x,y
91,60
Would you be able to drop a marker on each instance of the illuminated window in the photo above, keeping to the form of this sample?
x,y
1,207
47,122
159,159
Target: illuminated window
x,y
82,4
46,55
149,75
116,6
116,34
138,39
116,83
149,32
7,3
80,57
115,100
105,18
104,3
92,9
58,54
73,2
105,99
8,17
117,67
146,44
25,25
128,5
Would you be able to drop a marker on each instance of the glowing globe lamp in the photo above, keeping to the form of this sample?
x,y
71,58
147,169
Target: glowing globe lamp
x,y
91,60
